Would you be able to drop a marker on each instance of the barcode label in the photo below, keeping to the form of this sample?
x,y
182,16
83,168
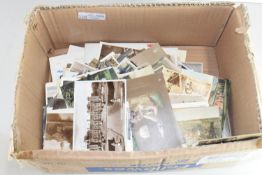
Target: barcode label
x,y
91,16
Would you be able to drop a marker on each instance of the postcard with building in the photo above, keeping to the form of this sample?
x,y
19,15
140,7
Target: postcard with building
x,y
100,115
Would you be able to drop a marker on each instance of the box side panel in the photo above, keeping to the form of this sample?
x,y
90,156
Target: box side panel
x,y
234,64
29,95
169,160
168,25
39,29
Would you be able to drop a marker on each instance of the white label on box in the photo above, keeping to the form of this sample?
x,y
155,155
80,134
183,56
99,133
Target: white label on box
x,y
91,16
221,158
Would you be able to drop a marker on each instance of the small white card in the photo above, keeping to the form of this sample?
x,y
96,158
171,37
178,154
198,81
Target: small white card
x,y
91,16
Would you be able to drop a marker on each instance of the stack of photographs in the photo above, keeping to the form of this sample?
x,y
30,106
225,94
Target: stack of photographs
x,y
132,97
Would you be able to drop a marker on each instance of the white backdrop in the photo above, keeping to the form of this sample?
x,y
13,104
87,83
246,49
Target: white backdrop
x,y
12,30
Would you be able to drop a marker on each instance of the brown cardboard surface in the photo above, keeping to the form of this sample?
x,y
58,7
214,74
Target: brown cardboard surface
x,y
168,25
149,56
39,29
107,155
29,96
234,64
58,52
77,162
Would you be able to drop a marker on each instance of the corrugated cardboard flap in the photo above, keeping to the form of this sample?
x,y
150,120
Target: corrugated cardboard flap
x,y
81,161
29,92
175,153
235,62
138,23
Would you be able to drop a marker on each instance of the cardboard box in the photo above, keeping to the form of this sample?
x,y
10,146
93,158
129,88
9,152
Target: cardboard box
x,y
213,33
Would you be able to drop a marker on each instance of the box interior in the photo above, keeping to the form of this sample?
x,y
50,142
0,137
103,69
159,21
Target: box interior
x,y
207,32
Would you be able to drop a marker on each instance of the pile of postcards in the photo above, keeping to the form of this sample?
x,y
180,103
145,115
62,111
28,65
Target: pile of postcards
x,y
131,97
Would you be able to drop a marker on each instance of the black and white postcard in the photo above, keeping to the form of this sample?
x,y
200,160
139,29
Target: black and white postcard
x,y
100,115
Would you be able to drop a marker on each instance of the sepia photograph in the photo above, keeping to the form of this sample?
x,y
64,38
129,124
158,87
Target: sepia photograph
x,y
58,133
120,52
100,115
189,82
149,56
165,62
94,63
108,61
